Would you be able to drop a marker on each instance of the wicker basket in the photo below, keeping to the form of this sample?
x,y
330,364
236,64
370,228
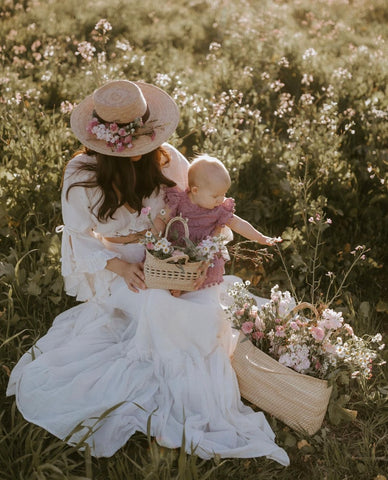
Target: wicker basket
x,y
168,273
298,400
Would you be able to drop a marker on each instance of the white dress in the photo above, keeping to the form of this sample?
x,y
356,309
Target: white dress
x,y
118,359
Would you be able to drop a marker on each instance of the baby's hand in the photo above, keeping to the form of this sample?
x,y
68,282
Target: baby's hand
x,y
271,241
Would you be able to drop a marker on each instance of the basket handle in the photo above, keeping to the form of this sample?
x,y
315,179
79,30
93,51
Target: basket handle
x,y
177,219
176,258
304,305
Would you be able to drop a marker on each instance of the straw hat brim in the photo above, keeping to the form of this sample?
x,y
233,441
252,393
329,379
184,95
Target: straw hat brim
x,y
164,117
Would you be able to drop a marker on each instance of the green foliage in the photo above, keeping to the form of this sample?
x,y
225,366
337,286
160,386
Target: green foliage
x,y
292,96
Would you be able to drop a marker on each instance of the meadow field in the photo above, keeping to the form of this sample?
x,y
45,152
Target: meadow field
x,y
292,95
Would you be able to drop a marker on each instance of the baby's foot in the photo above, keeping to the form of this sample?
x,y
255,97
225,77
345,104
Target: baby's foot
x,y
176,293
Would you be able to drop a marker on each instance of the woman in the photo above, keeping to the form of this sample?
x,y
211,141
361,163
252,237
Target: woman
x,y
129,353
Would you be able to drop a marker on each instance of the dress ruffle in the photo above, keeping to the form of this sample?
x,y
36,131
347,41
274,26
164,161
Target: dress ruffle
x,y
169,364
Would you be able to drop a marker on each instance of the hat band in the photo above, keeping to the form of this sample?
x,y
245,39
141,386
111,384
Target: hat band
x,y
119,136
144,118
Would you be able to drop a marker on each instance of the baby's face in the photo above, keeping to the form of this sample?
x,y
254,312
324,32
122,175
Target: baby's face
x,y
210,196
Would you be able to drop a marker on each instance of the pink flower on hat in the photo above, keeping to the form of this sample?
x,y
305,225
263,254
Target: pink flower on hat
x,y
113,127
122,132
128,139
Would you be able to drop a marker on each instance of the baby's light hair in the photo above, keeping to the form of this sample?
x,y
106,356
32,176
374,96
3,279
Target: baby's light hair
x,y
204,169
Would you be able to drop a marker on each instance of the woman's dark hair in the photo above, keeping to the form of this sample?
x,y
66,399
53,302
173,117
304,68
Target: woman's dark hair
x,y
122,181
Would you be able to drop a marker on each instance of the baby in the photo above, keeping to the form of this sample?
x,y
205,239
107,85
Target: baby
x,y
207,210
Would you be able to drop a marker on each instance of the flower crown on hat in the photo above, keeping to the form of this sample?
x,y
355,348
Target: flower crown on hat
x,y
119,136
125,119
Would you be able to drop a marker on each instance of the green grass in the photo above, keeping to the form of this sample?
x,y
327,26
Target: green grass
x,y
292,96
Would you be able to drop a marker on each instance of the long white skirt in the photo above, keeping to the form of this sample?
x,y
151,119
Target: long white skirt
x,y
105,368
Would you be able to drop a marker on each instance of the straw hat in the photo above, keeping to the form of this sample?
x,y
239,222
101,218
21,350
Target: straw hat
x,y
125,119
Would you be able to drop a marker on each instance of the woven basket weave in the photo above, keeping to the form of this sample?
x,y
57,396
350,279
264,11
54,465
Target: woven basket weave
x,y
298,400
167,273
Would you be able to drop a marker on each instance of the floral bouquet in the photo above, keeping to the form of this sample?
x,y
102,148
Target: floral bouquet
x,y
317,349
170,266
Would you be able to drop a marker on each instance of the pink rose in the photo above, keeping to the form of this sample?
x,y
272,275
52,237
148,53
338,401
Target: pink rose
x,y
122,132
120,147
257,335
247,327
318,333
294,325
240,312
114,127
128,139
280,331
150,246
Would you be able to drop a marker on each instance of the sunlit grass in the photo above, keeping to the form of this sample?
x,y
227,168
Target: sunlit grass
x,y
291,95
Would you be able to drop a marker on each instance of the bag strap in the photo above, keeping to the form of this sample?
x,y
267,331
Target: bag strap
x,y
176,258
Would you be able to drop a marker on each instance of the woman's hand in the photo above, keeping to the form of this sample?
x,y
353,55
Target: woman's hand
x,y
125,239
134,277
202,275
132,273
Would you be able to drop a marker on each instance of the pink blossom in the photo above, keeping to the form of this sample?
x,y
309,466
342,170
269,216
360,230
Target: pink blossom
x,y
349,329
113,127
150,246
257,335
328,347
247,327
122,132
318,333
259,323
240,312
278,320
177,253
329,221
120,147
128,139
94,122
145,210
280,331
294,325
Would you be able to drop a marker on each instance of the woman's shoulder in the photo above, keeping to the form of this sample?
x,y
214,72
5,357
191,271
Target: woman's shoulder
x,y
176,168
81,159
74,167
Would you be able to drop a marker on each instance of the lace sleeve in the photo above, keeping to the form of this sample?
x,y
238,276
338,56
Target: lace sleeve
x,y
173,199
226,211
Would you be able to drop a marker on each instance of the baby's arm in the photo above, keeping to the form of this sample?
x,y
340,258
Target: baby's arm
x,y
245,229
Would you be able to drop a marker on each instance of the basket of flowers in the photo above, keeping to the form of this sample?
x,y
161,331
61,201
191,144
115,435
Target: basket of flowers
x,y
172,267
286,360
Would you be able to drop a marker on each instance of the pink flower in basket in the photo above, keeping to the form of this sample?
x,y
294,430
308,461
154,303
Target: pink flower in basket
x,y
280,331
177,253
317,333
247,327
